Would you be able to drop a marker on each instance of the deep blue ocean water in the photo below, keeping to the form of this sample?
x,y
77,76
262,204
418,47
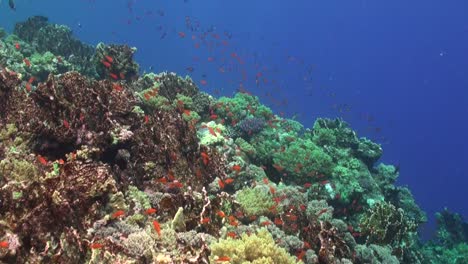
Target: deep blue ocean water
x,y
397,71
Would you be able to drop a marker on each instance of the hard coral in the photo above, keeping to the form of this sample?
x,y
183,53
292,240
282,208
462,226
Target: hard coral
x,y
256,248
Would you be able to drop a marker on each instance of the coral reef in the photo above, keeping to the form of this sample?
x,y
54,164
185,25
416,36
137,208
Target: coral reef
x,y
99,164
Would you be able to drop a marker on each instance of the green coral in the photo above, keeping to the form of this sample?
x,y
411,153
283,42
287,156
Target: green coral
x,y
241,106
208,137
18,170
140,199
302,157
254,201
258,248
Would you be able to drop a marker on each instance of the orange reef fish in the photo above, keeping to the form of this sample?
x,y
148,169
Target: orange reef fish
x,y
150,211
4,244
157,227
118,213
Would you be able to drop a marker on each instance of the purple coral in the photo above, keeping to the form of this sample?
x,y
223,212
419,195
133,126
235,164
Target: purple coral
x,y
250,126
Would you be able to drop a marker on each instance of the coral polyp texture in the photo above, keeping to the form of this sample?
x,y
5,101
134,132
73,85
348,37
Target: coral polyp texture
x,y
101,164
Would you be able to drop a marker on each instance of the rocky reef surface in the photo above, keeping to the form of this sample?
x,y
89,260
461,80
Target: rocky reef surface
x,y
99,164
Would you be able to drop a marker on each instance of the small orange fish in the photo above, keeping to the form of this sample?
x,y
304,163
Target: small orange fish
x,y
231,234
182,34
31,79
324,210
213,116
236,168
117,87
162,180
221,214
146,119
187,112
109,58
157,227
4,244
175,184
42,160
114,76
265,180
28,87
61,161
229,181
272,190
278,167
95,246
212,132
27,62
205,220
203,82
17,46
150,211
265,223
205,157
307,185
66,124
278,221
122,75
106,64
223,259
118,213
221,184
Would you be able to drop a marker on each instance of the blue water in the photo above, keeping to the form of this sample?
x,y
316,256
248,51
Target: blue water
x,y
397,71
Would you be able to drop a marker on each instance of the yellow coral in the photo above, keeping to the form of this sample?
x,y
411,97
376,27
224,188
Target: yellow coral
x,y
259,248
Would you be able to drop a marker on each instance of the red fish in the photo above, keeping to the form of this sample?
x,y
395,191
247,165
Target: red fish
x,y
205,220
118,213
206,158
212,132
203,82
229,181
278,221
117,87
95,246
109,58
236,168
221,184
181,34
4,244
150,211
106,64
113,76
321,212
231,234
28,87
265,180
223,259
42,160
146,119
187,112
66,124
221,214
122,75
31,79
176,184
61,161
17,46
157,227
27,62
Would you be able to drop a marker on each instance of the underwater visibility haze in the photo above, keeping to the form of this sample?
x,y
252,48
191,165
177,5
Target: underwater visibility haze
x,y
184,131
